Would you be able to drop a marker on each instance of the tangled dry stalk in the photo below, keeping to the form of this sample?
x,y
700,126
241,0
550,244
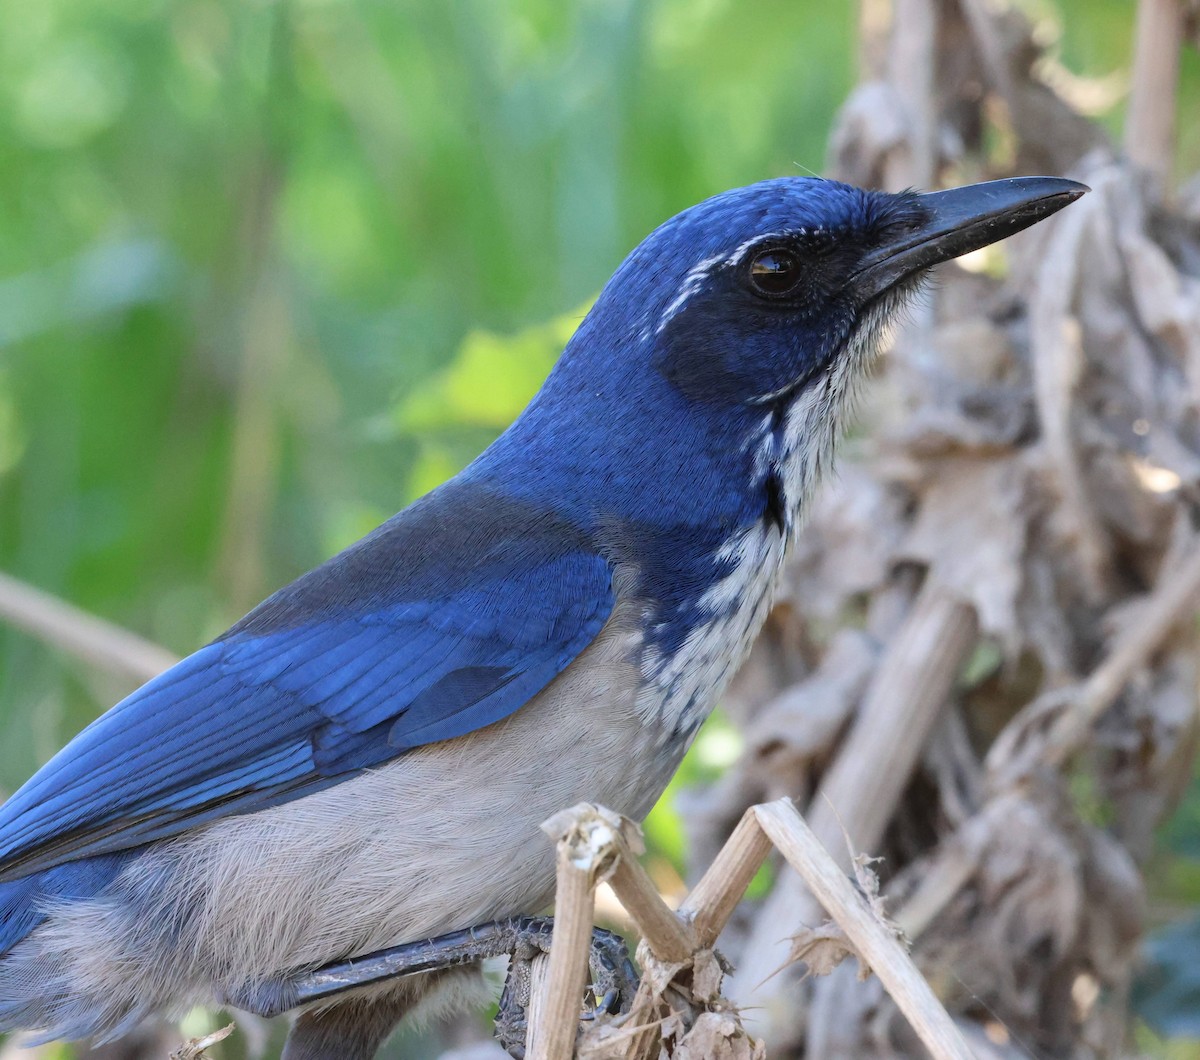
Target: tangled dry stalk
x,y
679,1007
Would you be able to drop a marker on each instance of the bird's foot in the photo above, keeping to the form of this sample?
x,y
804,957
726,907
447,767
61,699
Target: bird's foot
x,y
614,979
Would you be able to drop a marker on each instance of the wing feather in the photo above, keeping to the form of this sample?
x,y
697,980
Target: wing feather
x,y
398,642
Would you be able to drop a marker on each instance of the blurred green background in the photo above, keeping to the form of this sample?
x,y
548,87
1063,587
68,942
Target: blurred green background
x,y
270,270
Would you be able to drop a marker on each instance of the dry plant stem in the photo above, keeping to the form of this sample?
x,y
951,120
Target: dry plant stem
x,y
554,1020
195,1048
1150,124
697,925
669,938
911,64
910,71
539,995
877,946
862,788
715,897
1177,596
1056,353
899,710
83,635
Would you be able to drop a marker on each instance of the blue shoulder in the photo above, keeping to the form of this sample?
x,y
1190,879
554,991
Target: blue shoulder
x,y
446,619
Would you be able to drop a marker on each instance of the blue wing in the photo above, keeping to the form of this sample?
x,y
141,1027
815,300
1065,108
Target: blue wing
x,y
448,618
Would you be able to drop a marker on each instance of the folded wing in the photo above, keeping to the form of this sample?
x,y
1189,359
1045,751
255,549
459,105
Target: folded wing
x,y
446,619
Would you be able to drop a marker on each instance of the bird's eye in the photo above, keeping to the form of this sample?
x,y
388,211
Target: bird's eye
x,y
774,272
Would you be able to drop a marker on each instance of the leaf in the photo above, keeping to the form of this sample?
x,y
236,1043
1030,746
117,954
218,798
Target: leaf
x,y
491,378
823,948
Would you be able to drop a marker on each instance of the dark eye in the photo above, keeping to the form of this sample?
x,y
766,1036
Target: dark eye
x,y
774,272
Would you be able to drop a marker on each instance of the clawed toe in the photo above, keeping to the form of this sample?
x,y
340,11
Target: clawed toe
x,y
614,980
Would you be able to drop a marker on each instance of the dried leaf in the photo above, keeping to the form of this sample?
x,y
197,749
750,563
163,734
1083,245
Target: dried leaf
x,y
823,948
707,976
194,1048
719,1036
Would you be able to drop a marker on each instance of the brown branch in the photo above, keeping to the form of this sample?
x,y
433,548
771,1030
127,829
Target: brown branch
x,y
1150,123
862,788
671,939
714,898
875,943
586,854
596,844
79,633
1054,726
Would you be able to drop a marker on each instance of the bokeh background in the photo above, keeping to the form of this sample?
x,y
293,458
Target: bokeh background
x,y
270,270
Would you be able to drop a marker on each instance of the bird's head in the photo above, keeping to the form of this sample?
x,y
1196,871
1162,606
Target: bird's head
x,y
751,312
750,295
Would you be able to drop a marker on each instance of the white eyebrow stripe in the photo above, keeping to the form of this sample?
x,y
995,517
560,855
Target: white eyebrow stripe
x,y
763,237
698,273
691,284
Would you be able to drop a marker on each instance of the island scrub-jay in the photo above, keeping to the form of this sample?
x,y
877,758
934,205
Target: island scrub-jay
x,y
365,758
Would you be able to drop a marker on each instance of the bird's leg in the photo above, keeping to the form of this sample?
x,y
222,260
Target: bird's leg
x,y
614,978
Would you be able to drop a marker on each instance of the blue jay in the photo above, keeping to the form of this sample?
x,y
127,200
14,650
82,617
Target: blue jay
x,y
365,758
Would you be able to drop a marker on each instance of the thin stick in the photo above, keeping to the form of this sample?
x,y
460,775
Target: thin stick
x,y
899,711
714,898
911,65
539,996
861,789
1150,123
195,1048
670,939
877,946
553,1033
1030,742
1177,596
589,840
81,634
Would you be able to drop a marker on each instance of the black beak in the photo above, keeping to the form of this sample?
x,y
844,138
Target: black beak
x,y
961,220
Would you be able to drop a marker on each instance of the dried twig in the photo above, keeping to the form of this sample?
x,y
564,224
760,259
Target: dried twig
x,y
81,634
876,944
593,843
586,853
714,898
194,1048
670,939
539,999
1072,712
1150,123
860,791
911,69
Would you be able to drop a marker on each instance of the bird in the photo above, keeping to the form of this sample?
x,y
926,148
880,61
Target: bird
x,y
365,758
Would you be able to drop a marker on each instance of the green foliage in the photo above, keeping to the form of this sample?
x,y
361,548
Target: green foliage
x,y
456,412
